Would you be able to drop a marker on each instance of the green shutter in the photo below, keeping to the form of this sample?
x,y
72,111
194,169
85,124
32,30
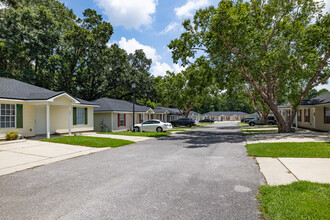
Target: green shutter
x,y
19,116
86,116
74,115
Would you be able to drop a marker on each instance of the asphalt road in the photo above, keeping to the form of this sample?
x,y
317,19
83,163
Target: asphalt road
x,y
198,174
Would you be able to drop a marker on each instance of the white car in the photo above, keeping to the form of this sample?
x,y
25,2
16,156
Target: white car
x,y
153,125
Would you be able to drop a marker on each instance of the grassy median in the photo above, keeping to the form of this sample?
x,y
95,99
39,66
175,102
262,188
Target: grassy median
x,y
291,149
298,200
141,134
89,141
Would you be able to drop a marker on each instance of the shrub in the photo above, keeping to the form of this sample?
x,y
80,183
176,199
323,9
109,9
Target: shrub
x,y
12,135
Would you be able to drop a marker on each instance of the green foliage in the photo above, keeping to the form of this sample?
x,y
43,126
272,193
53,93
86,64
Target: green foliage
x,y
43,43
314,93
12,135
298,200
185,89
305,149
141,134
89,141
274,46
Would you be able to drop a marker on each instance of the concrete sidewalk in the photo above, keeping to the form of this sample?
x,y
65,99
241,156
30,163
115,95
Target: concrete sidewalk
x,y
24,154
281,171
122,137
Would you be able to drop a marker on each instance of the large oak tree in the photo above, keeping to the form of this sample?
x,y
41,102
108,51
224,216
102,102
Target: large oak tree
x,y
277,46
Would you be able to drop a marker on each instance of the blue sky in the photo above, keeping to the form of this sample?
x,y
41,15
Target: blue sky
x,y
148,24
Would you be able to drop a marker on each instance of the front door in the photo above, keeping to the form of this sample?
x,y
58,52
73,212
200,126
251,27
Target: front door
x,y
40,119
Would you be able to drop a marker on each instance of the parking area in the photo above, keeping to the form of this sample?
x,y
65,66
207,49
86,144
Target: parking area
x,y
24,154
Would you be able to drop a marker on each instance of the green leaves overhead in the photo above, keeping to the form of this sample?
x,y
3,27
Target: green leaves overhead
x,y
279,47
43,43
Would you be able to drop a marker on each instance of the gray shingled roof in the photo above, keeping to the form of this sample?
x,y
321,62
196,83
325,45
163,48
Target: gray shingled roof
x,y
171,111
322,99
14,89
116,105
226,113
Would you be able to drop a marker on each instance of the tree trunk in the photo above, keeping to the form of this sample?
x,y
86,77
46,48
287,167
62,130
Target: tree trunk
x,y
265,118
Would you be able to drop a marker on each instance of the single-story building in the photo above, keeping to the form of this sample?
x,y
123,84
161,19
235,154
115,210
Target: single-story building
x,y
226,115
167,114
315,113
31,110
117,115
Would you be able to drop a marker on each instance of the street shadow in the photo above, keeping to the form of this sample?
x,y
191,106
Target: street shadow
x,y
202,139
227,128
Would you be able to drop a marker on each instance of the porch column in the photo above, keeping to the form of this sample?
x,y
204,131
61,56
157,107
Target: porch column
x,y
47,120
70,120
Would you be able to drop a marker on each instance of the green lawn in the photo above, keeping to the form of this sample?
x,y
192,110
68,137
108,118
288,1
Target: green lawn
x,y
89,141
258,130
306,149
299,200
242,124
143,134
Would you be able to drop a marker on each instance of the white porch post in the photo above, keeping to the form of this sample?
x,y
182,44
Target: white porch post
x,y
70,120
47,120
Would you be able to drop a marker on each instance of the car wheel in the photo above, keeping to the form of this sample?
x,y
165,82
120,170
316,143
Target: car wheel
x,y
189,125
159,129
252,124
137,129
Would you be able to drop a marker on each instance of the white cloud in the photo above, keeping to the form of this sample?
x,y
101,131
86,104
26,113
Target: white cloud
x,y
188,9
325,86
131,45
129,13
327,5
159,69
170,27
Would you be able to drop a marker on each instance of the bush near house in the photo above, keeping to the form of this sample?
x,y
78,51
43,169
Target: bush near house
x,y
12,135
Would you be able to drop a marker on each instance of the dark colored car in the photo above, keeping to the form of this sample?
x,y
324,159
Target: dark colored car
x,y
258,121
207,120
187,122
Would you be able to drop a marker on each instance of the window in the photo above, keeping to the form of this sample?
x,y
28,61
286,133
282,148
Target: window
x,y
326,115
307,118
80,116
141,118
299,115
7,116
121,119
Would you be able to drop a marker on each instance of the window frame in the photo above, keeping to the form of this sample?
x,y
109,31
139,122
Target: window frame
x,y
307,115
299,115
326,117
121,120
10,116
80,116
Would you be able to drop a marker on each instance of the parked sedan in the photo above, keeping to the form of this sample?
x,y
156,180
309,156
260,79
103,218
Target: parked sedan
x,y
207,120
152,126
187,122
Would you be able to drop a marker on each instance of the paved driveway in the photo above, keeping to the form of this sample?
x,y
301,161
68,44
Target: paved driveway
x,y
25,154
198,174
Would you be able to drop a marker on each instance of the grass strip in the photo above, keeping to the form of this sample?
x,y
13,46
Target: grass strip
x,y
290,149
89,141
258,130
140,134
298,200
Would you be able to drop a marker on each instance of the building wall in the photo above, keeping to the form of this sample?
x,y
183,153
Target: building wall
x,y
106,117
303,123
59,120
319,119
28,120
